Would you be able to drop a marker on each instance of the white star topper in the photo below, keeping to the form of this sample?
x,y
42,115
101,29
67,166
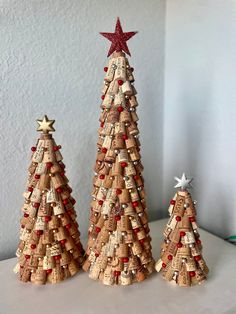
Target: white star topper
x,y
183,183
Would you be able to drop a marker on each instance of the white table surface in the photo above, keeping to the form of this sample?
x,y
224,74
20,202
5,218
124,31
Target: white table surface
x,y
82,295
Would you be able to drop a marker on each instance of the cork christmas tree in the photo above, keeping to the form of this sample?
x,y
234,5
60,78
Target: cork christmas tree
x,y
181,259
50,249
118,249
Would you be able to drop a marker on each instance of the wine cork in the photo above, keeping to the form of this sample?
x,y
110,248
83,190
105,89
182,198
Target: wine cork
x,y
110,223
125,116
200,277
120,72
130,169
175,236
134,116
127,88
86,265
25,274
32,168
140,275
106,144
54,223
183,277
108,181
132,128
61,234
124,197
129,210
57,180
55,249
69,244
38,154
44,182
51,196
134,195
190,264
120,128
143,218
108,277
130,142
113,116
124,224
116,169
188,238
110,156
123,250
28,223
33,262
141,235
118,142
129,182
134,154
57,274
136,248
123,155
129,237
65,219
179,204
113,88
184,252
125,278
36,195
48,262
133,101
73,267
118,182
111,70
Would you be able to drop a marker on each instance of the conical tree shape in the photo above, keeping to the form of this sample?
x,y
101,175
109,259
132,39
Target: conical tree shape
x,y
181,253
119,249
50,249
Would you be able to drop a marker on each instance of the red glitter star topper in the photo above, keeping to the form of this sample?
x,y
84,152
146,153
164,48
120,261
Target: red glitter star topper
x,y
118,39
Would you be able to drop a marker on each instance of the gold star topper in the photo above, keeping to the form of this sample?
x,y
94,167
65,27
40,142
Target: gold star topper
x,y
45,125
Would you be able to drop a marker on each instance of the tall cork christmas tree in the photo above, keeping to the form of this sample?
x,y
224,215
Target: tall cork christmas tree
x,y
181,258
50,249
118,249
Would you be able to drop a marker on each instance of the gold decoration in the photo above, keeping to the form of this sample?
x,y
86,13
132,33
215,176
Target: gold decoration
x,y
45,125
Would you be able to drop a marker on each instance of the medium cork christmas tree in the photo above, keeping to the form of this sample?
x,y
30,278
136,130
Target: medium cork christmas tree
x,y
118,249
50,249
181,253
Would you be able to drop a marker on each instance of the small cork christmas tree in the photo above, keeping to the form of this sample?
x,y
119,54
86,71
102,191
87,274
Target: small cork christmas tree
x,y
50,249
181,253
119,249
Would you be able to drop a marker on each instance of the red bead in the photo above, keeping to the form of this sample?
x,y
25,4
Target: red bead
x,y
135,204
36,205
120,82
33,149
48,165
59,190
48,271
179,245
163,265
65,201
30,189
55,148
37,176
62,174
170,257
97,229
105,69
120,109
100,202
116,273
104,150
125,259
26,215
63,241
102,124
27,256
68,226
142,241
73,201
38,232
198,241
57,257
123,164
125,137
22,226
47,218
192,273
191,219
197,258
131,69
136,177
172,202
117,217
33,246
102,176
118,191
178,218
182,233
96,254
136,230
103,96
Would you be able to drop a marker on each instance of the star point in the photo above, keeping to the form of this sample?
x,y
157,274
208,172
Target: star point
x,y
45,125
183,183
118,39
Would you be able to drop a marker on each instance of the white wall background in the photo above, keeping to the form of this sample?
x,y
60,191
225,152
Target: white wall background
x,y
51,61
200,106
